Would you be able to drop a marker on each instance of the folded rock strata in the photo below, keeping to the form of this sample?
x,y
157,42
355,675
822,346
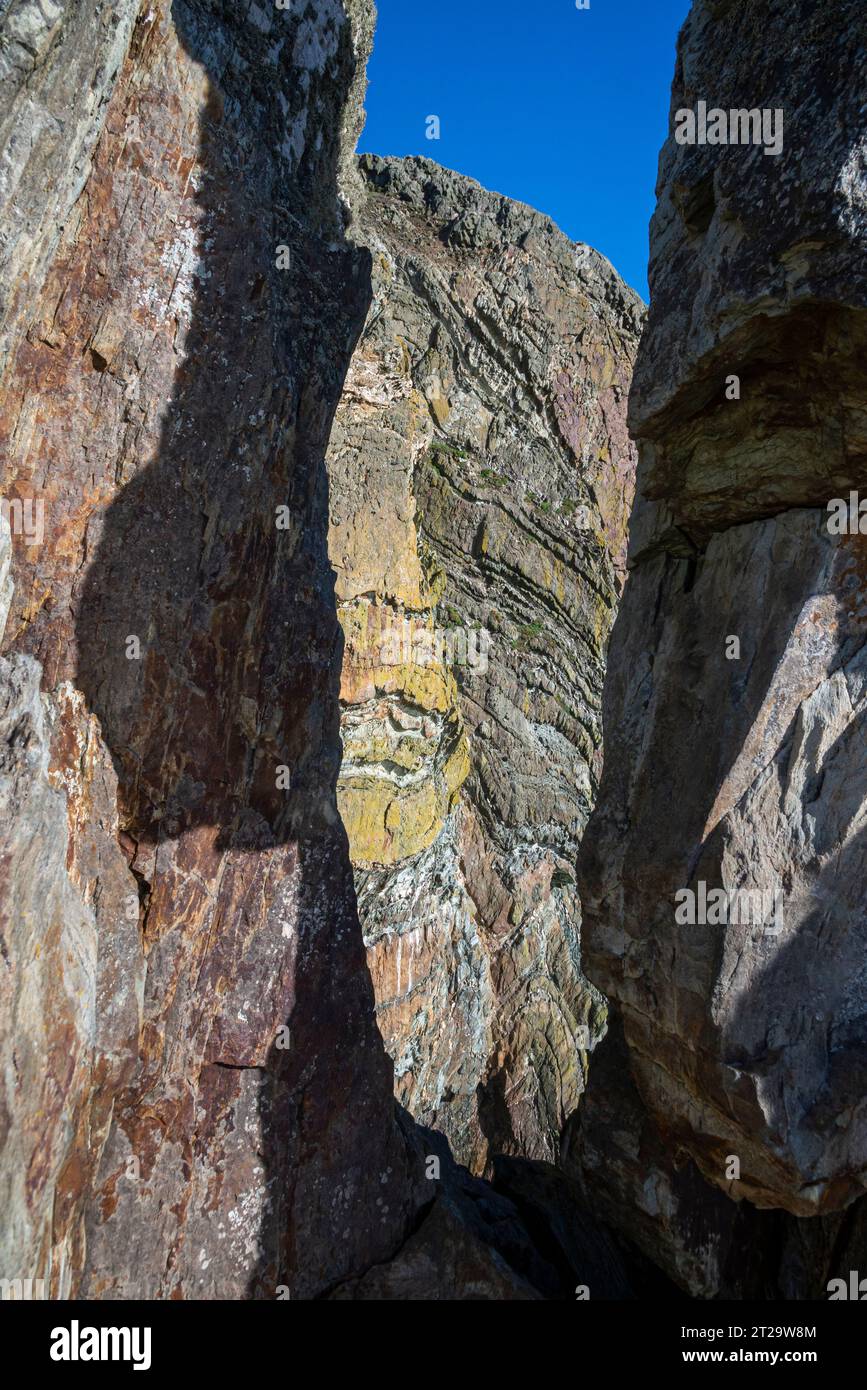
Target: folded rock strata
x,y
196,1101
480,482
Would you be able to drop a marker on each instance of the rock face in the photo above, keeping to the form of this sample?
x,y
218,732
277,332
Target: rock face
x,y
737,686
315,487
196,1101
213,1112
480,483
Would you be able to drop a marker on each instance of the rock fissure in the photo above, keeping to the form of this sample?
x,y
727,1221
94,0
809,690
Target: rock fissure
x,y
301,990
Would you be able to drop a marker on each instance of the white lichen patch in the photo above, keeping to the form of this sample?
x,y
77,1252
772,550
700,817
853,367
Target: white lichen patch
x,y
317,39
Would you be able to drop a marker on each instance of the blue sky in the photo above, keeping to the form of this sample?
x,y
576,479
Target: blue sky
x,y
562,108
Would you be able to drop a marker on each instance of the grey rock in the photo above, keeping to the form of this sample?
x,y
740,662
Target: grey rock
x,y
743,770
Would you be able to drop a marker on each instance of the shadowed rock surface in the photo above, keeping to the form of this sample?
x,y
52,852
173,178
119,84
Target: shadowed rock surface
x,y
196,1101
284,413
743,768
173,388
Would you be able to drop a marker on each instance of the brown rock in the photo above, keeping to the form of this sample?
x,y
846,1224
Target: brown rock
x,y
196,1101
213,1052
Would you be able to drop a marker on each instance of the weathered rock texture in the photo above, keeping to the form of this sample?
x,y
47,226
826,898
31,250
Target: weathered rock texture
x,y
480,482
196,1101
169,910
746,771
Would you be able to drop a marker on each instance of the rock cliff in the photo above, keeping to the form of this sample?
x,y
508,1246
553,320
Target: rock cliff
x,y
316,480
480,484
735,694
215,399
199,1103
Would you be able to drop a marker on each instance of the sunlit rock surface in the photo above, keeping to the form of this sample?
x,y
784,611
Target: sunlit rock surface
x,y
196,1101
480,480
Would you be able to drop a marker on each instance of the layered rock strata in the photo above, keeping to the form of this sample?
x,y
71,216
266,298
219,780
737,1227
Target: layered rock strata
x,y
480,483
196,1101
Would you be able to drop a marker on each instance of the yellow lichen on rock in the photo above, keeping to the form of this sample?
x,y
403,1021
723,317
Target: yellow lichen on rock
x,y
387,820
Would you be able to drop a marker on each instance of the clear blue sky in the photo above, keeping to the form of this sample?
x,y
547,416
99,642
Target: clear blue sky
x,y
564,109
